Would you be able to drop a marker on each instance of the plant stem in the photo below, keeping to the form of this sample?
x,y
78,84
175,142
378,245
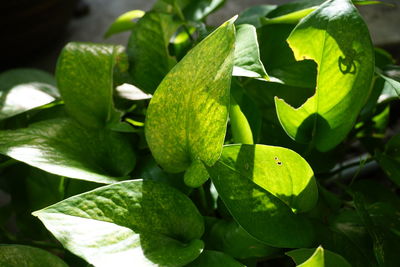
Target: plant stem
x,y
350,165
241,130
203,200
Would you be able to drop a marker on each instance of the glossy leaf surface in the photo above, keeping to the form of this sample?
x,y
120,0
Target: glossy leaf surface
x,y
25,89
345,66
261,187
247,53
317,258
63,147
124,22
140,222
85,79
187,116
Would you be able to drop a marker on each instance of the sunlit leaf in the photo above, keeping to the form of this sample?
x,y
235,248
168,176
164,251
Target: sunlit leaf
x,y
85,79
133,222
262,187
345,67
25,89
317,258
125,22
187,116
63,147
247,53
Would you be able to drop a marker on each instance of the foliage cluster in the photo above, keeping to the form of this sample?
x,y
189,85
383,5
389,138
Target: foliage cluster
x,y
241,145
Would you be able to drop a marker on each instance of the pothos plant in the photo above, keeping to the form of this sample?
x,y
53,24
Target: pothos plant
x,y
242,145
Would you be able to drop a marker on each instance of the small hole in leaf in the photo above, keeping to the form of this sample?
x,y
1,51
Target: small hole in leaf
x,y
279,163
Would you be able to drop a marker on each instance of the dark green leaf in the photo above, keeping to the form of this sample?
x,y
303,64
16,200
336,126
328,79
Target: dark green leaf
x,y
389,160
149,58
345,68
18,256
210,258
385,242
231,238
187,116
63,147
279,60
133,222
85,79
25,89
123,23
262,186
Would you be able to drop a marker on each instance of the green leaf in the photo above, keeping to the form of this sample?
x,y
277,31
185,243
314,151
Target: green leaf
x,y
317,258
63,147
85,78
252,15
263,94
389,160
25,89
149,58
391,88
19,255
279,182
247,61
124,22
140,222
231,238
210,258
187,116
345,67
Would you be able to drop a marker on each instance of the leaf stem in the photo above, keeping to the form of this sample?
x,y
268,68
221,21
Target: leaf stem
x,y
203,200
241,130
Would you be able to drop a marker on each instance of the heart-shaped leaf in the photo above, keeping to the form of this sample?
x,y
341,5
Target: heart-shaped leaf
x,y
345,61
64,147
85,79
187,116
262,186
141,223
